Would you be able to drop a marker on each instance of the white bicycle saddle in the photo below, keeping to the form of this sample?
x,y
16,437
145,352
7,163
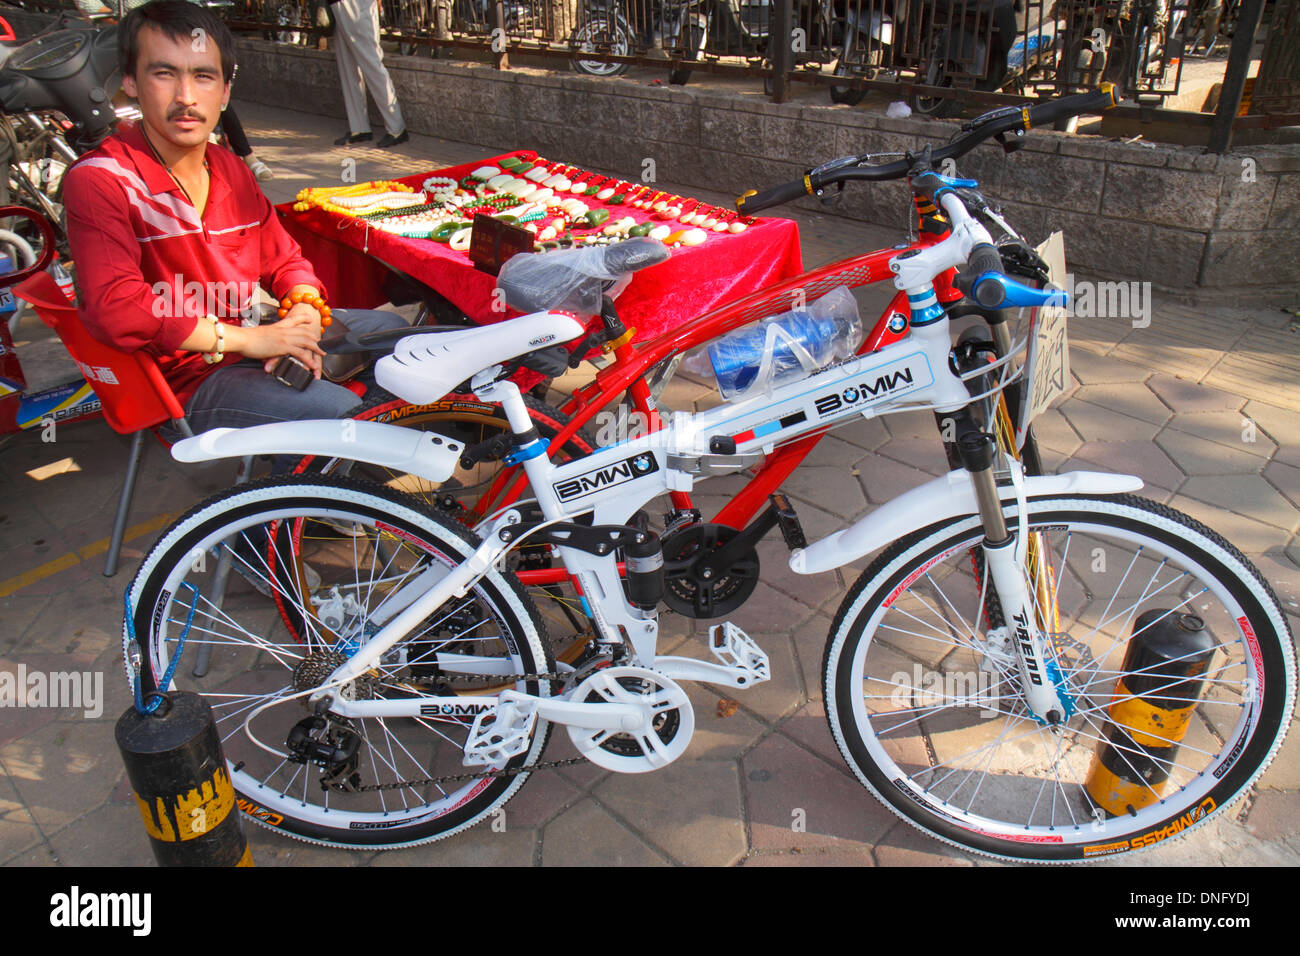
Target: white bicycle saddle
x,y
423,368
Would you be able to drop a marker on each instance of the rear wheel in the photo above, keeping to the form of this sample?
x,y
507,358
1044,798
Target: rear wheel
x,y
386,781
938,73
471,494
844,66
694,37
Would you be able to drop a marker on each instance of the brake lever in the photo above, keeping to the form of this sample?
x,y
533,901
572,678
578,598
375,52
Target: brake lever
x,y
1016,141
1019,259
985,118
832,199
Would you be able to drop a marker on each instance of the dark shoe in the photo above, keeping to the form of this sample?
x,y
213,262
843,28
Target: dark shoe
x,y
354,138
391,140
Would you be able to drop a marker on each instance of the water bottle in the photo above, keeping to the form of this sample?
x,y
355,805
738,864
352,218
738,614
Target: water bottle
x,y
786,347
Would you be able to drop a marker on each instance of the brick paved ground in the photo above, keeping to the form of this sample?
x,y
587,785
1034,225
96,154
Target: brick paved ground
x,y
1202,404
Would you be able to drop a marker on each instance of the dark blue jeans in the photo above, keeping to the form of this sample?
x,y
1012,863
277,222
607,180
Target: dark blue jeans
x,y
244,394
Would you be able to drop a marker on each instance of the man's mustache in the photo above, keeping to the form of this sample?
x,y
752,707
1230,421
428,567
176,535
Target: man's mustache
x,y
186,113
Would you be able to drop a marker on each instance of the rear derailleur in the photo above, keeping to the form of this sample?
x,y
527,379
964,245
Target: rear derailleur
x,y
332,745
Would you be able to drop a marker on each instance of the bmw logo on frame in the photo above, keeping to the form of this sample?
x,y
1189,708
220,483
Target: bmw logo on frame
x,y
850,394
897,322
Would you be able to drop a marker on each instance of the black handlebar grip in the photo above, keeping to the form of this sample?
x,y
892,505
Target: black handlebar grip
x,y
752,201
1095,102
983,258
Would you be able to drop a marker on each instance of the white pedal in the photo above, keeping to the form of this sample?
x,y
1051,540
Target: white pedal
x,y
739,654
503,733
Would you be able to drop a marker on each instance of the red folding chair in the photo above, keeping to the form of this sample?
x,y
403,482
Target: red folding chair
x,y
135,396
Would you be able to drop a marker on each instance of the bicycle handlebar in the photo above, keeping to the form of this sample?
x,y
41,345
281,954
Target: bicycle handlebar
x,y
1005,120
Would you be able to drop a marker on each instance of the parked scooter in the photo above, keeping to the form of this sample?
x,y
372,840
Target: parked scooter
x,y
602,28
868,38
983,40
56,93
1131,44
959,46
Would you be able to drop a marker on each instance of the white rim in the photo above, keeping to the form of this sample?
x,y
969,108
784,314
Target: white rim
x,y
1085,726
295,792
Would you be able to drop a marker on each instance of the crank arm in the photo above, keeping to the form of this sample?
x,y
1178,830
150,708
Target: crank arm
x,y
688,668
743,662
730,552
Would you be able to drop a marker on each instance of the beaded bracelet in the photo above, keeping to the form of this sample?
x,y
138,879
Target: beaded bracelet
x,y
217,354
310,298
438,184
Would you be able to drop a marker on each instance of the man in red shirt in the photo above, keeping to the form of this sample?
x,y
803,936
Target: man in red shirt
x,y
172,238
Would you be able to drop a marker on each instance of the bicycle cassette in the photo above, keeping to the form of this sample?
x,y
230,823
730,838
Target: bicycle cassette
x,y
664,734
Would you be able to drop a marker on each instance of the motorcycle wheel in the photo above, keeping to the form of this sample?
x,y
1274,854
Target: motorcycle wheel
x,y
693,47
849,95
600,32
935,75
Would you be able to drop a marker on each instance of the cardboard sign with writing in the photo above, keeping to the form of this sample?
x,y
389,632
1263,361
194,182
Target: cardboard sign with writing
x,y
1048,367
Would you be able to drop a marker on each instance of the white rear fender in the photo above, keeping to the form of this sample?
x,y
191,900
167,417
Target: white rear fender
x,y
938,500
425,454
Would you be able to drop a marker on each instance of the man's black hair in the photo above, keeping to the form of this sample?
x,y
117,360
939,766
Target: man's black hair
x,y
179,20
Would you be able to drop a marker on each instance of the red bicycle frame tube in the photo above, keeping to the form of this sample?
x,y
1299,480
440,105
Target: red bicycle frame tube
x,y
634,361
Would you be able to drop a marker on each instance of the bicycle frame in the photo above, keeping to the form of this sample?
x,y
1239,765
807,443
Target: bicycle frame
x,y
634,362
614,482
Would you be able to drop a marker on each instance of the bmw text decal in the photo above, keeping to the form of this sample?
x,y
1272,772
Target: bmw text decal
x,y
598,479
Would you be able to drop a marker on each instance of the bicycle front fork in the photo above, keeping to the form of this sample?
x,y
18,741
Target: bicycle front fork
x,y
1008,569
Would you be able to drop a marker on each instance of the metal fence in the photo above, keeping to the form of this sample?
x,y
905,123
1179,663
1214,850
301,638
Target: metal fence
x,y
940,51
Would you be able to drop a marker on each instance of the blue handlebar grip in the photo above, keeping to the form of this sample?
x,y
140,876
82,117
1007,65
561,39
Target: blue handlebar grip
x,y
993,290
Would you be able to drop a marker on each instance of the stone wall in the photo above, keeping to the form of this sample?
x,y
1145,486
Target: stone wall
x,y
1175,216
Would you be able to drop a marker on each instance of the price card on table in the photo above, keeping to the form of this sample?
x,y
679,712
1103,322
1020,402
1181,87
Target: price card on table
x,y
492,242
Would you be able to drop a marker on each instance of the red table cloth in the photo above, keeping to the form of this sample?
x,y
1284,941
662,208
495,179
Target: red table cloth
x,y
350,256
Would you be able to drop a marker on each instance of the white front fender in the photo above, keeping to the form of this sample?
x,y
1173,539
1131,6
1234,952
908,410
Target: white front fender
x,y
938,500
409,450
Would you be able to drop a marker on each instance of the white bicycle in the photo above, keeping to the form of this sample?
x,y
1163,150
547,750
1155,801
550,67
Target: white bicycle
x,y
1039,668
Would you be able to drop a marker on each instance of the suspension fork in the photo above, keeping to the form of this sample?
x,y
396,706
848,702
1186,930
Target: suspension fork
x,y
1003,427
1039,674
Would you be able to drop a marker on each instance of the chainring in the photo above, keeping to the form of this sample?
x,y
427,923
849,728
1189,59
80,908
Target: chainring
x,y
639,751
692,586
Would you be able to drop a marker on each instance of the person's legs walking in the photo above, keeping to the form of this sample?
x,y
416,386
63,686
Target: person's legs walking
x,y
358,21
350,79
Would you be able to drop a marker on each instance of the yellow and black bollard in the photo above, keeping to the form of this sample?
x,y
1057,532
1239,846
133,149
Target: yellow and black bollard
x,y
1150,710
174,761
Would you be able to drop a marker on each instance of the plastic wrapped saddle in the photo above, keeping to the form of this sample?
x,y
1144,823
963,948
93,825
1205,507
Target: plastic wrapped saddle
x,y
573,280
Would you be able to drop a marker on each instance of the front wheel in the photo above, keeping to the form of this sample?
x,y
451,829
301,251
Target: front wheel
x,y
342,554
923,694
